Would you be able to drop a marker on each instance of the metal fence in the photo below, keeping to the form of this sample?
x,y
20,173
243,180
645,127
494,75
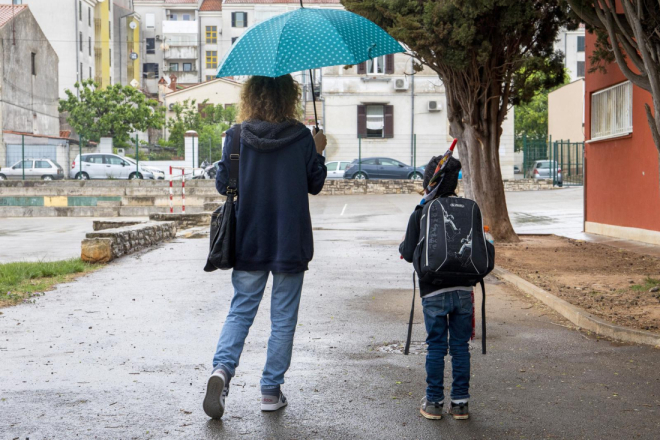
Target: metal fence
x,y
562,161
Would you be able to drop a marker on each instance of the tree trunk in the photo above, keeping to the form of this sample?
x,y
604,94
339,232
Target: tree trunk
x,y
482,178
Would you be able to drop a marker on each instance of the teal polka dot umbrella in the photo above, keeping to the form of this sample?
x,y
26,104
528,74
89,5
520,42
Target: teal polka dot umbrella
x,y
306,39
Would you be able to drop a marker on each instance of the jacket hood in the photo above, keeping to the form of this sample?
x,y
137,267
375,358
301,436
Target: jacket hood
x,y
269,136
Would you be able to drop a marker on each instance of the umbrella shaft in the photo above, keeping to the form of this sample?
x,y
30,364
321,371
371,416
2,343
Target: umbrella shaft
x,y
311,81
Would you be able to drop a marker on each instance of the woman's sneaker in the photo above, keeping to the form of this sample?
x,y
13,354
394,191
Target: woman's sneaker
x,y
272,403
431,410
460,411
216,392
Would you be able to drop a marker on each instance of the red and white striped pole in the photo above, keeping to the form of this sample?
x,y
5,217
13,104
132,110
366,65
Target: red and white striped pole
x,y
171,193
183,191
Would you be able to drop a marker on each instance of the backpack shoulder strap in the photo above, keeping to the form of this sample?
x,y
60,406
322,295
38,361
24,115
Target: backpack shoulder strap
x,y
483,317
234,158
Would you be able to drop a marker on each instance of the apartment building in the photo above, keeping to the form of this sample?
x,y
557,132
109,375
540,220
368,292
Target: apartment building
x,y
571,44
126,43
210,15
171,31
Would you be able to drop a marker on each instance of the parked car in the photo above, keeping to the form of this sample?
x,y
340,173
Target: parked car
x,y
382,168
157,172
211,170
336,169
106,166
44,169
543,169
516,169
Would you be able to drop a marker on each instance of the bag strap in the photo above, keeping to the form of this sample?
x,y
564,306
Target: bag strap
x,y
234,158
483,317
406,349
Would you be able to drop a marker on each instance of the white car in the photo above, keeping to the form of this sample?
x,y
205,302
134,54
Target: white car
x,y
106,166
157,172
336,168
44,169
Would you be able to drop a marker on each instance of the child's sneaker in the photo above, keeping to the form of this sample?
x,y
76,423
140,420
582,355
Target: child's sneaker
x,y
459,411
272,402
431,410
216,392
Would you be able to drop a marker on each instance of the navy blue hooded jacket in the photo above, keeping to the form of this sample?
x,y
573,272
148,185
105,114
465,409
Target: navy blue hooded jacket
x,y
279,167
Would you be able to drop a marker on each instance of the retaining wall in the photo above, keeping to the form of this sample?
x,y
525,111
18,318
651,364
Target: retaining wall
x,y
108,244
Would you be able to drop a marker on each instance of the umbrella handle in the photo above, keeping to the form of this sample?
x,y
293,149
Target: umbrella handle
x,y
311,81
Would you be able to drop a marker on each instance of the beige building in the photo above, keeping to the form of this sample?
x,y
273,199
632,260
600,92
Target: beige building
x,y
566,112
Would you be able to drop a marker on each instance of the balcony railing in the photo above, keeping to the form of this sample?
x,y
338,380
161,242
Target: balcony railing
x,y
181,53
180,27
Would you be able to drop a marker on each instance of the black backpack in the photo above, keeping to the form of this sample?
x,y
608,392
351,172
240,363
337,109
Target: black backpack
x,y
453,249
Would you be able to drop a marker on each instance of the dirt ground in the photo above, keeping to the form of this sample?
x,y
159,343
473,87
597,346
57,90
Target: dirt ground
x,y
618,286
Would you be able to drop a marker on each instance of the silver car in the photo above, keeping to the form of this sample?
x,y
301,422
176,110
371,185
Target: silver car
x,y
336,169
44,169
543,169
106,166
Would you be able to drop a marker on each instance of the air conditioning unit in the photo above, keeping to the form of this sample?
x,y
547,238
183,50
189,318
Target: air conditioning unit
x,y
434,106
171,107
400,84
121,152
158,38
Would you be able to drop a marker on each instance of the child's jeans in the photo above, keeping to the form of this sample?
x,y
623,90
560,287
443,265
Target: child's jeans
x,y
449,311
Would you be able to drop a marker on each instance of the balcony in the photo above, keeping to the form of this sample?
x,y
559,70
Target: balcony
x,y
180,27
183,77
181,52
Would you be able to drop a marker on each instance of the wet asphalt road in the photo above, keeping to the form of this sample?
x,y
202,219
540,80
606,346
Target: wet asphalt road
x,y
125,353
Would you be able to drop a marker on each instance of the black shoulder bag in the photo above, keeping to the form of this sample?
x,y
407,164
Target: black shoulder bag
x,y
222,252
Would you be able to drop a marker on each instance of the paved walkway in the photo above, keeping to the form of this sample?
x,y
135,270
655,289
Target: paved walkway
x,y
125,353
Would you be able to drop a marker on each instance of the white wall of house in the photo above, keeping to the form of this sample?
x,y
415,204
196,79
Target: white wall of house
x,y
211,47
571,44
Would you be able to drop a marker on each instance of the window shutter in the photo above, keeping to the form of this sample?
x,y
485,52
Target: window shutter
x,y
389,64
389,121
362,68
362,121
233,19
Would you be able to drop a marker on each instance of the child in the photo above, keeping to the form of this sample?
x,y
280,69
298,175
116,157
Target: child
x,y
447,309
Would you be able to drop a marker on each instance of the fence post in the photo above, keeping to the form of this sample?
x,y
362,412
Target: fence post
x,y
23,154
137,156
80,142
171,201
360,154
524,170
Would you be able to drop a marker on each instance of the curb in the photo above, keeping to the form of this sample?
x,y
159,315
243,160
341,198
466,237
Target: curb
x,y
576,315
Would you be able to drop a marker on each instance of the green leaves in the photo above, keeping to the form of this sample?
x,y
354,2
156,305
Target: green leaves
x,y
115,111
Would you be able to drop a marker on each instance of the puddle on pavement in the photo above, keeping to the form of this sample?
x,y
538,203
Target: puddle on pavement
x,y
523,217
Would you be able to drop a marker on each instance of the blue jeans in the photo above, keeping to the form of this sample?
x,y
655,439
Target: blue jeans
x,y
285,300
449,311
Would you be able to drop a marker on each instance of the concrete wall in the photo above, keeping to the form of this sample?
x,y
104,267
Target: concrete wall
x,y
566,112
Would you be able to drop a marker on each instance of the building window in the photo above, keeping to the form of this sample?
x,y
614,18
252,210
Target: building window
x,y
17,2
377,66
210,77
187,67
109,29
239,19
81,41
211,59
186,17
89,17
375,121
34,63
151,46
580,43
150,21
611,111
211,34
580,69
79,10
110,59
81,72
233,40
90,46
150,70
174,67
90,72
172,17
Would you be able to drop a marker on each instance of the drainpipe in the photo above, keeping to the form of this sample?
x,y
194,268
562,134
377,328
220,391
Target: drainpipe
x,y
76,44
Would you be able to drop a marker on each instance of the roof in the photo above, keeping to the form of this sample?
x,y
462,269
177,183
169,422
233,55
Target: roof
x,y
7,12
269,2
206,83
65,134
23,133
211,5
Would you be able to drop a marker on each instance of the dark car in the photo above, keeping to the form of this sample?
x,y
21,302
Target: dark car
x,y
382,168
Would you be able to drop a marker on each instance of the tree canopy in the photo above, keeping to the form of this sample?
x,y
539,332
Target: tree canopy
x,y
115,111
490,55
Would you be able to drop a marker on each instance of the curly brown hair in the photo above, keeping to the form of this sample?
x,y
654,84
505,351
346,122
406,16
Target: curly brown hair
x,y
270,99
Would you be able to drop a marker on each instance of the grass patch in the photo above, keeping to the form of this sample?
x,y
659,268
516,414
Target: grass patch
x,y
23,280
648,284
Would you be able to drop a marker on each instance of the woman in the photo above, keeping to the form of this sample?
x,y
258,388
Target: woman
x,y
280,163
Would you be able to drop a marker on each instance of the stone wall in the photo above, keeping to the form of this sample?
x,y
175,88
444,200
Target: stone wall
x,y
184,221
528,185
106,245
342,186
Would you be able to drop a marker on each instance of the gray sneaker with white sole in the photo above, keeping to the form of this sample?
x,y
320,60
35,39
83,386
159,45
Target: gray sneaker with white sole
x,y
217,390
272,402
431,410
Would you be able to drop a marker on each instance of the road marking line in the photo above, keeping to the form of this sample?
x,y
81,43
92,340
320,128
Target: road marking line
x,y
343,210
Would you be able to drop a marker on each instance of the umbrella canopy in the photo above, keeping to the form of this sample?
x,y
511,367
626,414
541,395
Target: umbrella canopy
x,y
306,39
